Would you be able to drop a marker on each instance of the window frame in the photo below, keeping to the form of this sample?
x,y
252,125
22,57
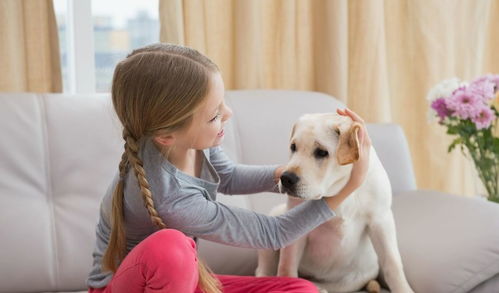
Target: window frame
x,y
80,47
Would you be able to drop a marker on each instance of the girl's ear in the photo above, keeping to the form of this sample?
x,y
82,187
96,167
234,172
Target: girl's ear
x,y
165,140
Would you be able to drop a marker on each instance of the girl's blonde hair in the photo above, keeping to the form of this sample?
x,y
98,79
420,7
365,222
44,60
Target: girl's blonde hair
x,y
156,90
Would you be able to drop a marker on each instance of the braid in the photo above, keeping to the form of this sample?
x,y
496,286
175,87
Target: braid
x,y
138,166
116,250
124,158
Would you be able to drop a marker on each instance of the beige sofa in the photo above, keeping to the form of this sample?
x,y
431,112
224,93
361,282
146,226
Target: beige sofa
x,y
59,152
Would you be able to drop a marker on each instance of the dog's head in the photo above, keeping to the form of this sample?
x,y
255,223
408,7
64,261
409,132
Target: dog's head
x,y
323,148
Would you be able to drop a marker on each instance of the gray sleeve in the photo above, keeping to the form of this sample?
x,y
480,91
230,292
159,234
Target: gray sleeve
x,y
239,178
197,216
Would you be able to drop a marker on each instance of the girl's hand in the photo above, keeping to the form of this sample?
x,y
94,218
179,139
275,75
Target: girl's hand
x,y
277,173
360,167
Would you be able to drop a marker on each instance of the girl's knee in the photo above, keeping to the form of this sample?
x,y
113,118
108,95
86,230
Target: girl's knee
x,y
166,259
170,245
171,235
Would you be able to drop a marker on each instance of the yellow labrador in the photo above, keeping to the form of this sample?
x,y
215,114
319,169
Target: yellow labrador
x,y
344,254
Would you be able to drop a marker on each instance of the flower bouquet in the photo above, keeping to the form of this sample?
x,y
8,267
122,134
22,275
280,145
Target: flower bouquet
x,y
470,112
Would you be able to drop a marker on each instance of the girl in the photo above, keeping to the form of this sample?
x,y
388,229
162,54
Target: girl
x,y
170,100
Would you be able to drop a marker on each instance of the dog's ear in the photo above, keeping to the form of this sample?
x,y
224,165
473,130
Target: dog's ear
x,y
348,145
292,131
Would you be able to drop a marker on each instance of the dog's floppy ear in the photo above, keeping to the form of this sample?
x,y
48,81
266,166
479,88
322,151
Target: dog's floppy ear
x,y
348,145
292,131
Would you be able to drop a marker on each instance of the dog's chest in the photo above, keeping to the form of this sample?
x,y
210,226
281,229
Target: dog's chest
x,y
330,233
335,243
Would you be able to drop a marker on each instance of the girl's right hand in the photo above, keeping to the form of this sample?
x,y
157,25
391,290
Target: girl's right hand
x,y
359,170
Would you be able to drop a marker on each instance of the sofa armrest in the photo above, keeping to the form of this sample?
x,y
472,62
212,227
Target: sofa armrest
x,y
448,243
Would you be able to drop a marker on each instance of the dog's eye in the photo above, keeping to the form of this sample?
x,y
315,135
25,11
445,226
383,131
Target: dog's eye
x,y
320,153
293,147
337,130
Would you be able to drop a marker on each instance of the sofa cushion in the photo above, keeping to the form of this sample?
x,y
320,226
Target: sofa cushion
x,y
448,243
491,285
26,217
58,157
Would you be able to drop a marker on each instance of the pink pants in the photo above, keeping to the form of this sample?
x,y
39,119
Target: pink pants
x,y
166,262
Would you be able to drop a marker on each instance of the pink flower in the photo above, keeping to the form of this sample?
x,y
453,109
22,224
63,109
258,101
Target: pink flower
x,y
460,88
484,87
441,108
464,103
484,118
495,80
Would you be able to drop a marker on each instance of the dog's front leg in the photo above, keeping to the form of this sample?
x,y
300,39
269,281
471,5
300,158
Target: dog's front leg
x,y
290,257
267,263
383,236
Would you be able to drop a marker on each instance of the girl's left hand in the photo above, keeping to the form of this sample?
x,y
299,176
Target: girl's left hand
x,y
277,173
360,167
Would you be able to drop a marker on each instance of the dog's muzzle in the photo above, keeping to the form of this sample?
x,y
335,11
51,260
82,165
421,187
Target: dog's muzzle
x,y
289,181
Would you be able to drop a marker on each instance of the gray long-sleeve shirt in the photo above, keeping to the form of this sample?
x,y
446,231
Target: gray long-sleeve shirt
x,y
189,204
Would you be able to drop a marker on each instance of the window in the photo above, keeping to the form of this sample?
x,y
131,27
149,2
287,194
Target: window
x,y
94,36
61,11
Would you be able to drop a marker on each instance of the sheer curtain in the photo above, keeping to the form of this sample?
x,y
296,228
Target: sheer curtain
x,y
379,57
29,47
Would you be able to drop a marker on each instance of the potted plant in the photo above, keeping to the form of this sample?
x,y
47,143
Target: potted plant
x,y
469,111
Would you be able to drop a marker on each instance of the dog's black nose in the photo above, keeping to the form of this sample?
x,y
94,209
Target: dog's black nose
x,y
289,179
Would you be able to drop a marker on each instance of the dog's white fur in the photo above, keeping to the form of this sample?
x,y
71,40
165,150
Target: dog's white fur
x,y
345,253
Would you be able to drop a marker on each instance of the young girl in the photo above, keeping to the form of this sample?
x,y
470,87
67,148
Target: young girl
x,y
170,100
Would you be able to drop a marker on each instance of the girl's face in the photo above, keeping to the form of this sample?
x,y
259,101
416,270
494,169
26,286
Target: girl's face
x,y
207,127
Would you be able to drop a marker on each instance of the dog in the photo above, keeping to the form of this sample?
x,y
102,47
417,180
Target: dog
x,y
348,252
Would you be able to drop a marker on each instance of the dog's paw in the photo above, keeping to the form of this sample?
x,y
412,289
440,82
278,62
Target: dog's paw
x,y
373,287
321,290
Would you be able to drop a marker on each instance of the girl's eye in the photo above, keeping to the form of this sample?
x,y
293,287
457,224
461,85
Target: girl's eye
x,y
215,118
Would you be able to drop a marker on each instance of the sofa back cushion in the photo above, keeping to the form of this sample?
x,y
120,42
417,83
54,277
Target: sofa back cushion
x,y
58,154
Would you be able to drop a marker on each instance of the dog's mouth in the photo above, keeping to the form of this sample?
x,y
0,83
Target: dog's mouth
x,y
301,191
289,191
293,193
316,197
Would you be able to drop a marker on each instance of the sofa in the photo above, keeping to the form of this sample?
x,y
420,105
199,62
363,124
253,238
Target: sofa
x,y
59,152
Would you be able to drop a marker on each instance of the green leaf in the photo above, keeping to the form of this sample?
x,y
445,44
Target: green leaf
x,y
453,129
454,143
495,148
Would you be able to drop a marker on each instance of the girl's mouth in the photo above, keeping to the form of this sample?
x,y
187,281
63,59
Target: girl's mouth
x,y
221,133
